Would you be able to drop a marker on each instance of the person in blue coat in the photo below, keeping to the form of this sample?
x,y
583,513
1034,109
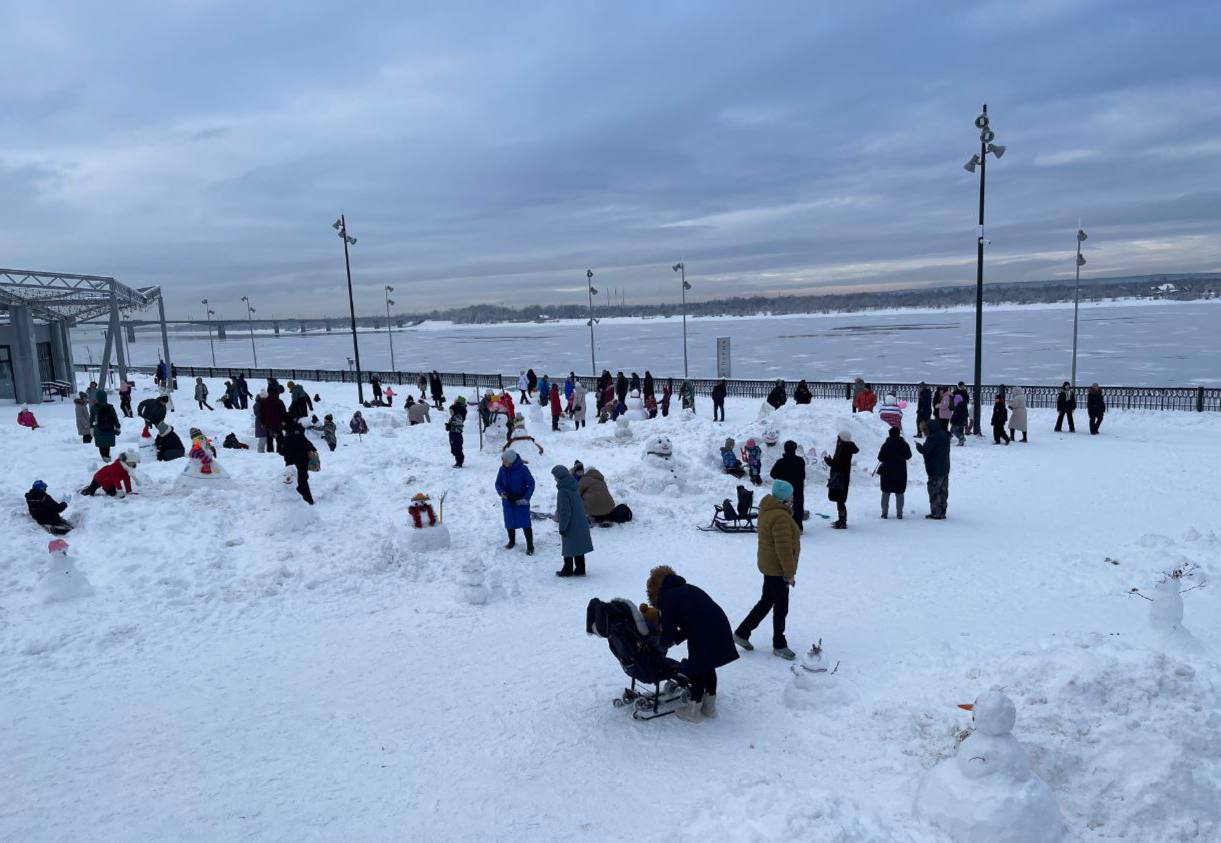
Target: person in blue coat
x,y
574,523
689,614
515,485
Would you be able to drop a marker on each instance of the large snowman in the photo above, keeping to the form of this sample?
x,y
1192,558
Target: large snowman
x,y
497,432
635,407
987,792
662,470
427,532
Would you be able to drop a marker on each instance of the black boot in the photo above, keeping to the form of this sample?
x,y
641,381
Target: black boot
x,y
529,531
566,571
580,569
512,540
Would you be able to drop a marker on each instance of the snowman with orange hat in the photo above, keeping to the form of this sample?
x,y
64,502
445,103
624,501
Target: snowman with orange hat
x,y
428,532
987,793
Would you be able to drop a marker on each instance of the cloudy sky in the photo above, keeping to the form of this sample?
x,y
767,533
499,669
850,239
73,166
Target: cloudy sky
x,y
491,152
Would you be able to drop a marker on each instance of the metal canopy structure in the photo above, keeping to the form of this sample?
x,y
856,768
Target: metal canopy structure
x,y
65,299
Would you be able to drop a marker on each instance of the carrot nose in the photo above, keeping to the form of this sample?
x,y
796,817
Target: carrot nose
x,y
967,706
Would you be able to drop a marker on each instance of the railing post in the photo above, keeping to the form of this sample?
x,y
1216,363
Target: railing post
x,y
1199,399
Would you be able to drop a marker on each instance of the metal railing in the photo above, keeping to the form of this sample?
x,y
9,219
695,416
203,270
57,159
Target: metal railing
x,y
1193,398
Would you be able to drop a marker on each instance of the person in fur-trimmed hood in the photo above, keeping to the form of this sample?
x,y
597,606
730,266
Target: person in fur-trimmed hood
x,y
689,614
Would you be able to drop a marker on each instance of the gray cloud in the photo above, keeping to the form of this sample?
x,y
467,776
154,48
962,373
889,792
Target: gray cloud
x,y
492,153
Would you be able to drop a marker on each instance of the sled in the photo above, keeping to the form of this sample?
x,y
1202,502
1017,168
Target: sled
x,y
728,519
541,516
663,699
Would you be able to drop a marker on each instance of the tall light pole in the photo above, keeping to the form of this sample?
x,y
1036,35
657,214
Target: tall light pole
x,y
980,160
1081,237
250,322
341,227
682,267
208,314
389,335
593,363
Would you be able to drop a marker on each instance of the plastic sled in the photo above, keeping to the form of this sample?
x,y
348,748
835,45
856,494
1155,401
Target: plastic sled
x,y
740,519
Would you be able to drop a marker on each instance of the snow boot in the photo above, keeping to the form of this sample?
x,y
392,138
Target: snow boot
x,y
512,540
529,531
579,570
839,525
708,708
566,571
784,653
689,710
743,642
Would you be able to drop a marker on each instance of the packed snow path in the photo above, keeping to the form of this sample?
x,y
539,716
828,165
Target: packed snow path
x,y
248,667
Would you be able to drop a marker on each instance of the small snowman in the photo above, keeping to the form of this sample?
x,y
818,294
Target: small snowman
x,y
428,532
635,407
771,448
623,430
1166,606
809,677
201,462
473,581
62,581
987,791
520,437
662,469
497,431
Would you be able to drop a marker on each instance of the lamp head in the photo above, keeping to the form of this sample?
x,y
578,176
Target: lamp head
x,y
1081,236
338,224
981,122
679,266
997,150
589,273
972,164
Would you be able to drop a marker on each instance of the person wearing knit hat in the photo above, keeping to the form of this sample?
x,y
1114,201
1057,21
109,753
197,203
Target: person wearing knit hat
x,y
729,460
779,550
46,510
515,485
840,464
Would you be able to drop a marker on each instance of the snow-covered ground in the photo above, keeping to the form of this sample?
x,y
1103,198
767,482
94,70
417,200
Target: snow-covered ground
x,y
252,668
1128,343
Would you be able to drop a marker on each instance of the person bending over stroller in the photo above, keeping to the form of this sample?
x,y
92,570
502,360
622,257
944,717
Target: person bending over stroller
x,y
689,614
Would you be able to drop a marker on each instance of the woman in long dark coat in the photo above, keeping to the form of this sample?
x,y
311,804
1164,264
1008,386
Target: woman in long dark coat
x,y
840,464
893,457
570,514
689,614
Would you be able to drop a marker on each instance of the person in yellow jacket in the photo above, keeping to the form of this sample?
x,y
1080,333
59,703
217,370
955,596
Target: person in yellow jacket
x,y
779,549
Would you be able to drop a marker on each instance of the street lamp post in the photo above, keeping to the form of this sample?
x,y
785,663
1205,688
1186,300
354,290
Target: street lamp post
x,y
682,267
980,160
1081,237
389,334
593,363
250,322
208,314
341,226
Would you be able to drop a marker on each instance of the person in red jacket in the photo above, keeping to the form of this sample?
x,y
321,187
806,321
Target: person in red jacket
x,y
272,415
556,409
114,478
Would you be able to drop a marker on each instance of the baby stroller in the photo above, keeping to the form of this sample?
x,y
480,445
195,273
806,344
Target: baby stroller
x,y
727,519
641,656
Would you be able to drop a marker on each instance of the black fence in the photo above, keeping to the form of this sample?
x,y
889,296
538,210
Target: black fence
x,y
1193,398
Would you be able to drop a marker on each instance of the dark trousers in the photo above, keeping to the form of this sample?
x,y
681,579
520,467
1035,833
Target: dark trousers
x,y
204,404
125,404
842,509
87,438
303,483
775,599
1095,423
275,441
718,411
938,495
455,447
529,534
945,424
998,433
93,486
555,422
525,399
1072,428
702,683
241,400
104,452
621,514
921,419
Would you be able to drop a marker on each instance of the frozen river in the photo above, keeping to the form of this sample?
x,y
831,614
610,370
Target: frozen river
x,y
1127,343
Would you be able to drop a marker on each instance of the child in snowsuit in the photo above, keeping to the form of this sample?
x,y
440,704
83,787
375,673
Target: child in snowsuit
x,y
455,426
1000,415
114,479
328,431
729,460
752,456
45,509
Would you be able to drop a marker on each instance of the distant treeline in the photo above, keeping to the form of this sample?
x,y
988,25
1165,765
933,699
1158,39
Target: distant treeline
x,y
1180,287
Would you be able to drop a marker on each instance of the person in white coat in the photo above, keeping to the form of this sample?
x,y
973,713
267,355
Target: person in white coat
x,y
1017,412
578,405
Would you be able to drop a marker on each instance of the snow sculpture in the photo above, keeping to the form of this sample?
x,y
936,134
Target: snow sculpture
x,y
62,581
201,462
635,407
520,438
497,432
428,533
809,677
987,791
662,471
771,436
687,414
623,431
535,410
1166,607
471,578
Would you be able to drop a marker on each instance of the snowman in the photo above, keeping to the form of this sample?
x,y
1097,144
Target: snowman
x,y
987,791
520,437
662,471
62,581
635,407
473,581
623,430
810,678
1166,609
201,463
497,431
771,448
428,532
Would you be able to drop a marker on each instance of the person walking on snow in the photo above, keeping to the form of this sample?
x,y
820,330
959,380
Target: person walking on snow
x,y
1096,406
515,486
272,412
105,424
578,405
892,470
575,539
125,398
1000,415
523,385
454,426
80,404
297,452
840,464
689,614
936,451
718,400
556,408
243,392
779,549
791,468
1017,413
960,418
1066,403
376,383
201,394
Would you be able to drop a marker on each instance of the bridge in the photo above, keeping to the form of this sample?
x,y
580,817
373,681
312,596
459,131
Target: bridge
x,y
294,325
